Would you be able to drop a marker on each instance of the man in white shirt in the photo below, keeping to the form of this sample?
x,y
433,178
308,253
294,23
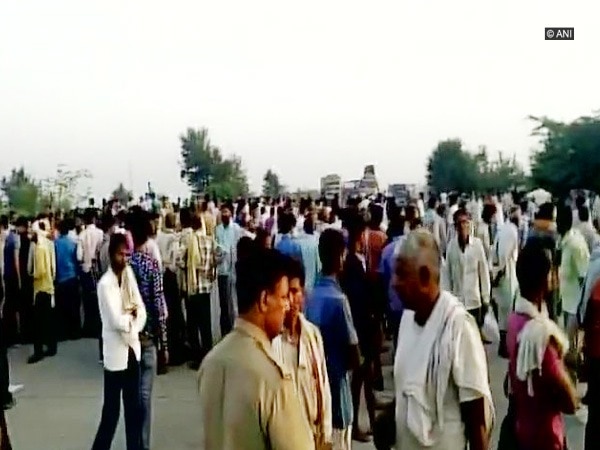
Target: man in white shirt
x,y
459,412
90,241
123,318
468,270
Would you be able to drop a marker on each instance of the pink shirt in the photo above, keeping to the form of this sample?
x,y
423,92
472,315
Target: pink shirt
x,y
539,420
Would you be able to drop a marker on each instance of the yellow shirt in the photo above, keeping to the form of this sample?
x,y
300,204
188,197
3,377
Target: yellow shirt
x,y
247,398
42,265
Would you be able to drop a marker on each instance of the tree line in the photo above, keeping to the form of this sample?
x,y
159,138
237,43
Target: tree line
x,y
568,157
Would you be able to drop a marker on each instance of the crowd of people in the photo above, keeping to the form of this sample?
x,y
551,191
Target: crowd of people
x,y
283,307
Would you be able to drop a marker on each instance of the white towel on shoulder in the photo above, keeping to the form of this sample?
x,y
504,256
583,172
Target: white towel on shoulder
x,y
533,340
426,386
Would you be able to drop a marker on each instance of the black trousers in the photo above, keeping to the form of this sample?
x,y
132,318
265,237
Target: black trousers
x,y
226,318
592,428
45,324
198,319
175,322
10,317
92,326
5,395
68,309
125,383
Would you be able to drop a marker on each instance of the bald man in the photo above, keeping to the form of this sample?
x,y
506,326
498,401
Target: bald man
x,y
443,397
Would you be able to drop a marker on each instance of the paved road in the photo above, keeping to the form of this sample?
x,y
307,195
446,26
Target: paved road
x,y
59,407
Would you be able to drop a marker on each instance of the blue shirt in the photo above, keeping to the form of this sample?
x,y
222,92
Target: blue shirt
x,y
309,246
12,244
327,307
66,259
289,246
227,238
386,269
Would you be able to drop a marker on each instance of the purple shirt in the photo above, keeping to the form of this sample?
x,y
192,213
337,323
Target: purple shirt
x,y
149,279
386,269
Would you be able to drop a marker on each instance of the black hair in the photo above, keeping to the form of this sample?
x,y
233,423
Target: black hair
x,y
489,211
245,247
376,213
139,224
259,272
63,227
21,222
4,221
117,240
331,249
108,221
296,270
185,218
533,267
545,212
286,223
584,213
460,212
432,202
564,219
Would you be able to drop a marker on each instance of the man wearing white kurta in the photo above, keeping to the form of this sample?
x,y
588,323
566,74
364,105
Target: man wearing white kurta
x,y
468,271
507,250
443,400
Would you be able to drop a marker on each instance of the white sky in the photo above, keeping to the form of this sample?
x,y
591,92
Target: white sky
x,y
306,88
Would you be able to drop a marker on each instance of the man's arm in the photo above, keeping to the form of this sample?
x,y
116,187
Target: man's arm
x,y
473,416
484,275
348,323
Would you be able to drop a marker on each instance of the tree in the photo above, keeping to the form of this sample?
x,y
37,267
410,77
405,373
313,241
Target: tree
x,y
63,190
569,157
271,186
22,192
122,195
451,168
205,170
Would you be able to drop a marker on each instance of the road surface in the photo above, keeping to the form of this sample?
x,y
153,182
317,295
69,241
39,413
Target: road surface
x,y
59,406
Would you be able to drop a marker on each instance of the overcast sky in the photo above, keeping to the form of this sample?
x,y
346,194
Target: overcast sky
x,y
305,88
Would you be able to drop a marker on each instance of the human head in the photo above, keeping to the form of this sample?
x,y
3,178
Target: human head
x,y
376,214
185,218
263,290
584,214
462,223
533,271
140,227
108,223
117,251
515,215
564,220
245,247
286,223
356,233
332,251
225,214
488,213
296,281
89,216
63,227
545,212
22,225
309,223
170,221
417,273
432,202
263,238
196,222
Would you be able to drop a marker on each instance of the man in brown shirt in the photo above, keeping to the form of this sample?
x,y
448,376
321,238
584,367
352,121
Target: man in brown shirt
x,y
247,397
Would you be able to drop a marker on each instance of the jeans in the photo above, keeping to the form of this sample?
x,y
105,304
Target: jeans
x,y
198,318
147,372
126,383
225,303
45,324
592,428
